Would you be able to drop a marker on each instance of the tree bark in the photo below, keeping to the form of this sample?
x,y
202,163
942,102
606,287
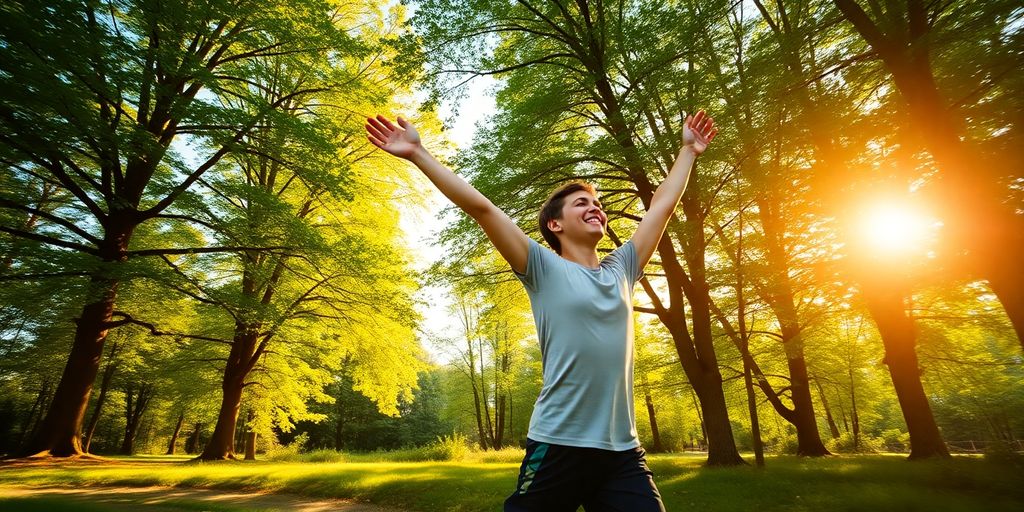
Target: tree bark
x,y
899,338
808,438
832,427
484,399
136,403
468,324
221,445
339,426
192,443
174,435
60,433
108,374
250,437
250,445
657,447
31,423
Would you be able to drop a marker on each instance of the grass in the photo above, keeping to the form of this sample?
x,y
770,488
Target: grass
x,y
841,483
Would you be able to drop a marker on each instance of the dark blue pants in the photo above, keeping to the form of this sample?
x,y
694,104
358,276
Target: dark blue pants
x,y
555,478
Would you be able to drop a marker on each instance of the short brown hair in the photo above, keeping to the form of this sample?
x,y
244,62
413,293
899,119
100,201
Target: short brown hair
x,y
552,209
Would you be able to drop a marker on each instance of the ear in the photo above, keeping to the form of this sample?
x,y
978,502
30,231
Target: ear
x,y
555,226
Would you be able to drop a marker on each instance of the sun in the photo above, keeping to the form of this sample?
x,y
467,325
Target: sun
x,y
895,229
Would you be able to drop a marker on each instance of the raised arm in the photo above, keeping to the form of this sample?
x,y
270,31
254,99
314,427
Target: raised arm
x,y
403,141
698,131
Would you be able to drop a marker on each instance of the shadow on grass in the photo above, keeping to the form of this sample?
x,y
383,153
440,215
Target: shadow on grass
x,y
840,483
843,483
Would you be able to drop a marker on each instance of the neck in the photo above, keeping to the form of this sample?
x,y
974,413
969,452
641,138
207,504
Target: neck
x,y
584,255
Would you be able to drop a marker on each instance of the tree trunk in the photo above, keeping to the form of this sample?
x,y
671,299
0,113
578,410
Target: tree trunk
x,y
31,423
135,407
174,435
721,444
484,399
899,338
755,424
481,434
339,426
832,428
60,433
502,364
854,415
246,349
250,445
1007,282
221,445
108,374
808,438
193,441
744,346
700,418
657,447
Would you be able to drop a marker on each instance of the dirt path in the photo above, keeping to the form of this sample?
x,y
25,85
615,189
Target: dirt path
x,y
182,498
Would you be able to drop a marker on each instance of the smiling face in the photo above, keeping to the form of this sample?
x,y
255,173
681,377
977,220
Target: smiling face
x,y
582,219
573,211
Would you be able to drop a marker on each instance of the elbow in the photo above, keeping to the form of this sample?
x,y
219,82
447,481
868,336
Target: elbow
x,y
479,210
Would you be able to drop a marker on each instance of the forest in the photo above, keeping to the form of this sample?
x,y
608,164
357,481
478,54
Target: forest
x,y
201,253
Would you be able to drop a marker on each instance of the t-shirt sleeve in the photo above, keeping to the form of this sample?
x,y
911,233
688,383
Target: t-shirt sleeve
x,y
625,258
536,266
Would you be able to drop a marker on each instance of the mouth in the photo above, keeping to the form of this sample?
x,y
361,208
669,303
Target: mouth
x,y
594,220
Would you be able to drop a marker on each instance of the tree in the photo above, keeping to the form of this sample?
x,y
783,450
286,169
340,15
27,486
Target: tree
x,y
906,38
96,96
581,87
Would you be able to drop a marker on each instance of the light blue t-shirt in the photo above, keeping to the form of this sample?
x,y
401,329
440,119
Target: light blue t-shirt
x,y
584,321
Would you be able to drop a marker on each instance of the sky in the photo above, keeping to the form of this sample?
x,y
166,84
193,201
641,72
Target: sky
x,y
422,226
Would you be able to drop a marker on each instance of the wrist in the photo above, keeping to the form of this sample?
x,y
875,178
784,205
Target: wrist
x,y
688,150
419,155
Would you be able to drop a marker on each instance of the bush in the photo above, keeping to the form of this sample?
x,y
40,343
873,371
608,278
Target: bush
x,y
453,447
895,440
785,445
845,444
291,452
1002,452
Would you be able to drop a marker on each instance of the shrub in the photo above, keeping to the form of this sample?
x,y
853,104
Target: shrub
x,y
1002,452
845,444
895,440
785,445
290,452
453,447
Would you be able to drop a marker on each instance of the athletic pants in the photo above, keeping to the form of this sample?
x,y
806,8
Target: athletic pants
x,y
556,478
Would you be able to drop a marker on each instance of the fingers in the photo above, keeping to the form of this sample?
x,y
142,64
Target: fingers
x,y
376,142
696,120
379,126
374,131
383,120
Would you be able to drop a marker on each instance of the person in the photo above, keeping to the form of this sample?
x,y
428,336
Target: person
x,y
582,446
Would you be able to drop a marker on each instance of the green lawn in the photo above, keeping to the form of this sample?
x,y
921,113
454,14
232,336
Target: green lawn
x,y
842,483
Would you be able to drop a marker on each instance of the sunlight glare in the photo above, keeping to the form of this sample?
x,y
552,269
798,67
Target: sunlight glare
x,y
895,228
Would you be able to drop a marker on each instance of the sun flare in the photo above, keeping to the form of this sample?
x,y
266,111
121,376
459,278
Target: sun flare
x,y
895,228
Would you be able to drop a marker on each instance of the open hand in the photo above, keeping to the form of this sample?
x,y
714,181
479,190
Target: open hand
x,y
698,131
401,141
